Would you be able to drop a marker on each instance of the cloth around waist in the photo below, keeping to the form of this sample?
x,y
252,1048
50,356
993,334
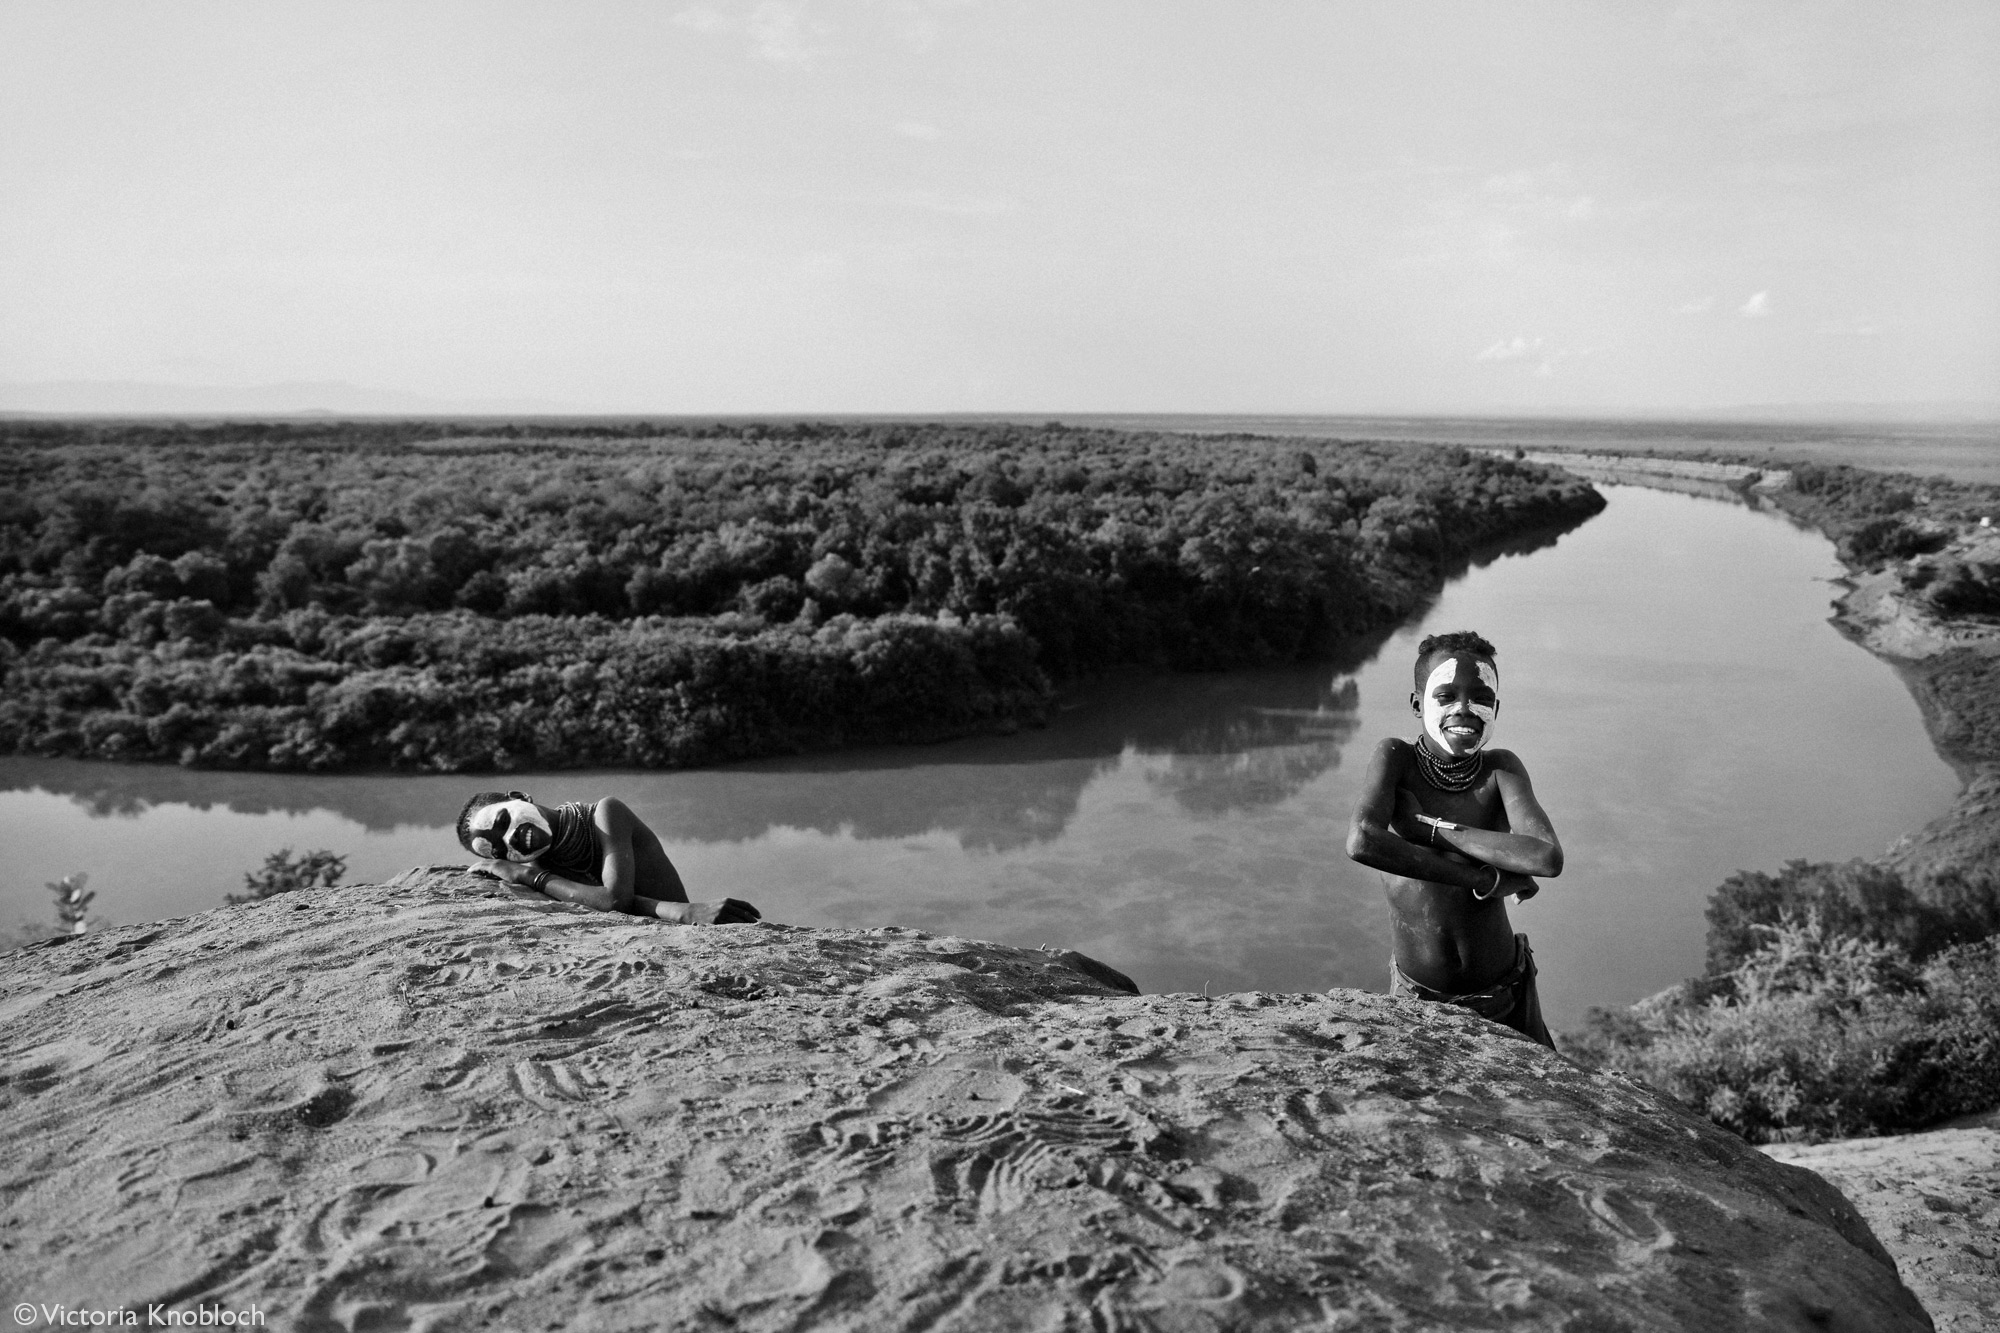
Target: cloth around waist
x,y
1495,1001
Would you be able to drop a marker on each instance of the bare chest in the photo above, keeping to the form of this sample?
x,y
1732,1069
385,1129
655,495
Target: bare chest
x,y
1479,806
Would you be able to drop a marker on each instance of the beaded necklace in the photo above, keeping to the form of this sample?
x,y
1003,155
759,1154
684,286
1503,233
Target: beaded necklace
x,y
1448,774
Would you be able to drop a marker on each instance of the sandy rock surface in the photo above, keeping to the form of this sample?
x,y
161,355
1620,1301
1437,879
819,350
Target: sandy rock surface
x,y
437,1103
1934,1201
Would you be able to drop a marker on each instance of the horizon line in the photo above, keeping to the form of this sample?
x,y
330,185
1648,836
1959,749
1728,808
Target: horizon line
x,y
1748,413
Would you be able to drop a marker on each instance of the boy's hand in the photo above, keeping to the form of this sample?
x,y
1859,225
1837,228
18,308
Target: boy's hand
x,y
507,872
1522,887
728,912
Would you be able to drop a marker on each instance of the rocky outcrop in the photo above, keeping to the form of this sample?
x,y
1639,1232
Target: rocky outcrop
x,y
437,1103
1952,666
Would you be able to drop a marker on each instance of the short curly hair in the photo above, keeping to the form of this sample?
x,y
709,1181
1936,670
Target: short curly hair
x,y
480,801
1458,641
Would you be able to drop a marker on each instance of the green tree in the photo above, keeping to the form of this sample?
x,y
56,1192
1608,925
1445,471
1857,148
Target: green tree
x,y
282,873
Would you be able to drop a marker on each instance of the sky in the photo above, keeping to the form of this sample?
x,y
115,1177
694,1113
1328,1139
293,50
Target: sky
x,y
928,206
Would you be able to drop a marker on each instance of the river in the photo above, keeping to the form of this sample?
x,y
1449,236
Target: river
x,y
1668,674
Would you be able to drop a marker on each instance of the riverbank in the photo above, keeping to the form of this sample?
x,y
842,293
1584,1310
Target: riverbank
x,y
438,1102
1685,476
1923,573
1922,593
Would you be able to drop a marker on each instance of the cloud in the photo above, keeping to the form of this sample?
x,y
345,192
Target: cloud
x,y
1756,307
1496,219
1699,306
959,205
1546,194
916,129
1510,349
1536,350
702,18
794,32
778,32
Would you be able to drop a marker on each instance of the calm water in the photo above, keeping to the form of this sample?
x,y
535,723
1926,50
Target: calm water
x,y
1668,674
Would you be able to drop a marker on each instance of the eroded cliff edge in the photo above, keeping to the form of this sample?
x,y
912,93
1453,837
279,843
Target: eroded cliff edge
x,y
433,1103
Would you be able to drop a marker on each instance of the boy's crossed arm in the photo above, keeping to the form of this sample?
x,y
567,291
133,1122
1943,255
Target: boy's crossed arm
x,y
1448,852
1534,851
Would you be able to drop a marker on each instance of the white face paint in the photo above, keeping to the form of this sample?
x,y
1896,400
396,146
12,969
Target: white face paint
x,y
1460,726
511,830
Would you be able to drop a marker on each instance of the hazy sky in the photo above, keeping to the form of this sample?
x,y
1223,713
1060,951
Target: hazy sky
x,y
944,205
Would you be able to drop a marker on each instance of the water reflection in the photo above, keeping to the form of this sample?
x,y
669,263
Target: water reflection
x,y
1149,824
1259,757
1238,739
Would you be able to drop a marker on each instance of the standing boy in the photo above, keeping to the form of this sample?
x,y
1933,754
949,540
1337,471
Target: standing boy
x,y
1454,826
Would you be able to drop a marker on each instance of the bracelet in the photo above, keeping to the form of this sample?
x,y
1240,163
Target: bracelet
x,y
1491,889
538,879
1437,824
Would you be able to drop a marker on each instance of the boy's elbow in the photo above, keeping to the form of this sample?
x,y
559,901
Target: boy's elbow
x,y
1552,864
1360,844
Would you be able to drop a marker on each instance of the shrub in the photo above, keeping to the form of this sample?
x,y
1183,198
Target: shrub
x,y
1966,588
1880,540
72,908
1818,1035
1861,899
72,903
282,873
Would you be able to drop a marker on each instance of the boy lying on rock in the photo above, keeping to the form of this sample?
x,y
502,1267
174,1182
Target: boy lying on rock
x,y
1455,829
601,856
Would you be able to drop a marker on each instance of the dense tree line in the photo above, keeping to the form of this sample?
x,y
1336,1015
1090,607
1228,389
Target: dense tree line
x,y
437,597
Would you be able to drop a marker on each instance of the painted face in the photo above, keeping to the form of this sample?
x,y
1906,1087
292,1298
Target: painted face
x,y
1460,701
510,830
